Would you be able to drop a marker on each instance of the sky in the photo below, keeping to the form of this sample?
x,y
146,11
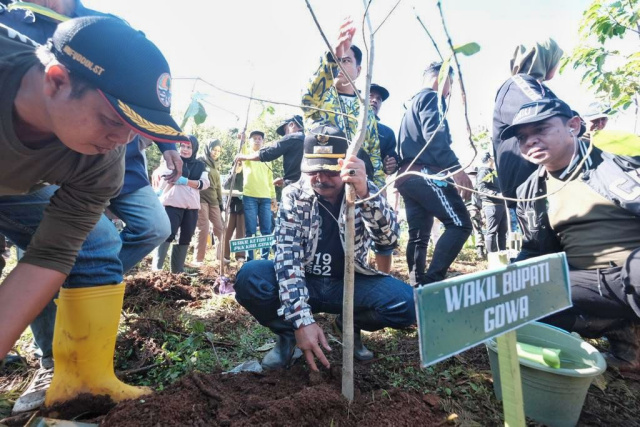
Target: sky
x,y
274,47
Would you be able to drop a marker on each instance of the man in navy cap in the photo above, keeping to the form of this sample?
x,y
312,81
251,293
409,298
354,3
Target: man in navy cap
x,y
70,106
289,148
590,212
146,222
308,271
377,95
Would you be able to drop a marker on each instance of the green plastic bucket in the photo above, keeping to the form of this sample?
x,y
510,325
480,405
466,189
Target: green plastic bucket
x,y
552,396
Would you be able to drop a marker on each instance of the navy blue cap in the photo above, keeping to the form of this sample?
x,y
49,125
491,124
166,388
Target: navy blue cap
x,y
256,132
323,146
125,67
384,93
537,111
296,119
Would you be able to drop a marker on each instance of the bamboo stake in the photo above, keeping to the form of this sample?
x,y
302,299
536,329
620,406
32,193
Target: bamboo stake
x,y
349,264
232,183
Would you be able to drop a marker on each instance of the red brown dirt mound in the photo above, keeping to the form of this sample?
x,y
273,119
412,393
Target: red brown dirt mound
x,y
279,398
152,288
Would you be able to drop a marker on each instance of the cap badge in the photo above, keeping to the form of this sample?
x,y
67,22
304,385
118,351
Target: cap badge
x,y
323,150
322,139
164,89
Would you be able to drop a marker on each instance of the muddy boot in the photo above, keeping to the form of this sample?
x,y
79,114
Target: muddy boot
x,y
84,341
360,352
285,351
159,254
624,348
178,257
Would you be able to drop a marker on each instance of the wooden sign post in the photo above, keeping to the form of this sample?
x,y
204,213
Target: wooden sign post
x,y
459,313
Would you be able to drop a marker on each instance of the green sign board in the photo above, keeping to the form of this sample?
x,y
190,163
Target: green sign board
x,y
461,312
251,243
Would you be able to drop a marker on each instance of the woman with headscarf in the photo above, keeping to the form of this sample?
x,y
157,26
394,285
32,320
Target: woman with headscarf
x,y
210,203
531,65
181,201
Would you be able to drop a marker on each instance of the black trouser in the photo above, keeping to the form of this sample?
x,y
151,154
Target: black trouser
x,y
183,219
497,227
611,293
476,221
425,199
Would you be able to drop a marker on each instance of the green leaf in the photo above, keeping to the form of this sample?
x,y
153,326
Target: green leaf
x,y
467,49
201,115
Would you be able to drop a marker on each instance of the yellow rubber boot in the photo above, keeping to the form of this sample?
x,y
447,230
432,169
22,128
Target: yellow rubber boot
x,y
84,341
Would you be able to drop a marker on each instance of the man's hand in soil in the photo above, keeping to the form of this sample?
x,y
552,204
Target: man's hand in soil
x,y
307,339
174,163
462,179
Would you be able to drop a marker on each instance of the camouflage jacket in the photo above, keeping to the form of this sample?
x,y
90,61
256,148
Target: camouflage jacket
x,y
296,236
322,94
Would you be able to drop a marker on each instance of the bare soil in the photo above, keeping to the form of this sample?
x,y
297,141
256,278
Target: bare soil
x,y
457,391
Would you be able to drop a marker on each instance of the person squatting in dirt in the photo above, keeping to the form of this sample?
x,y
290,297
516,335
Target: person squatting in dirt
x,y
427,198
146,223
590,212
308,271
70,106
181,200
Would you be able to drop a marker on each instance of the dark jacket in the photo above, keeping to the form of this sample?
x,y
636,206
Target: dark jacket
x,y
487,184
387,141
290,148
614,177
420,122
512,168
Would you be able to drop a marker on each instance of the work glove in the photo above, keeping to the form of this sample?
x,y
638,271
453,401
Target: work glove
x,y
182,181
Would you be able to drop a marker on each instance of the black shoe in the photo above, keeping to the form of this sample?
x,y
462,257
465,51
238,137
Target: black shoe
x,y
360,352
624,348
285,351
595,327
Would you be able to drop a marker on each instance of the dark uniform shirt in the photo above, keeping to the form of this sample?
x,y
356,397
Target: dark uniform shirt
x,y
328,260
290,148
387,141
418,126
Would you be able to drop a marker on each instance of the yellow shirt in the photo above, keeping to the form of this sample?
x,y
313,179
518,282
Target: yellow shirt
x,y
258,178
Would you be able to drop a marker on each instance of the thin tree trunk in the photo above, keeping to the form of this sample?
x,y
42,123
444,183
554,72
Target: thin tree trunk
x,y
232,183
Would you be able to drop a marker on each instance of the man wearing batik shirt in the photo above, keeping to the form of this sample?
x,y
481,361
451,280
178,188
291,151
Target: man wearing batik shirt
x,y
308,272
